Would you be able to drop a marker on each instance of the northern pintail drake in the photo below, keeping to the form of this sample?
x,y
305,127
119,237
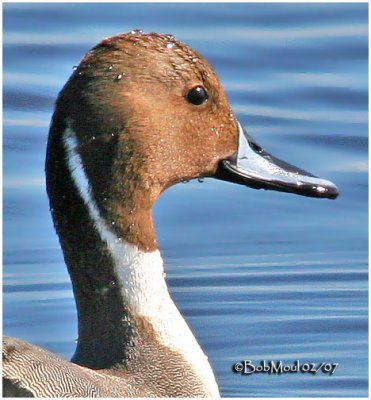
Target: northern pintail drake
x,y
140,113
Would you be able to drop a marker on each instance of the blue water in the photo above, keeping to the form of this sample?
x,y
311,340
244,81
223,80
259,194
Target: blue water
x,y
258,275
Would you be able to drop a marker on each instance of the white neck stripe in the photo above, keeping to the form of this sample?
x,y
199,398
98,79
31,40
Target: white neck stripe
x,y
141,278
82,183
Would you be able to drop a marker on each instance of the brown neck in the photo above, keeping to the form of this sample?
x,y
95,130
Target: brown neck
x,y
131,219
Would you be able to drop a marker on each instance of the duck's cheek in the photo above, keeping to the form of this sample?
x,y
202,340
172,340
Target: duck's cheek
x,y
227,143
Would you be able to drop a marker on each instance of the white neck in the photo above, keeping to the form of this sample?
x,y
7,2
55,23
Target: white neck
x,y
141,278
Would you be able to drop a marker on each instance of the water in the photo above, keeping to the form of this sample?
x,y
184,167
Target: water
x,y
258,275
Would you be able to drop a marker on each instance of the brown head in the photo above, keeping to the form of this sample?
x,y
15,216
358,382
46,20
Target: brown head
x,y
147,112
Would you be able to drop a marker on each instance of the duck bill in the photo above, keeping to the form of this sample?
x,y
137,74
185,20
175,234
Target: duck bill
x,y
252,166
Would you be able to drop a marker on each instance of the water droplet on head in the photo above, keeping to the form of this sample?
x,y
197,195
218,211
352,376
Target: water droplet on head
x,y
112,284
93,137
113,223
74,67
136,31
119,77
185,181
214,130
77,340
170,45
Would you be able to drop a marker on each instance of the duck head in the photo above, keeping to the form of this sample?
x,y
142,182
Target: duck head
x,y
144,112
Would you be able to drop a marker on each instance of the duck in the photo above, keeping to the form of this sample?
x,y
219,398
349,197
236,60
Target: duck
x,y
142,112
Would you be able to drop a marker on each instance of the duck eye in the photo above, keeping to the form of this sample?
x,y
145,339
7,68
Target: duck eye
x,y
197,95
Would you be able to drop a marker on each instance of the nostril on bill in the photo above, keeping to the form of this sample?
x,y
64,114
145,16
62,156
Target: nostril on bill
x,y
255,147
